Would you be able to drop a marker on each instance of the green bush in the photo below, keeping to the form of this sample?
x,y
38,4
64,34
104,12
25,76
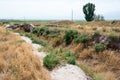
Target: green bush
x,y
82,38
70,58
113,36
99,47
42,31
58,57
116,29
51,61
29,35
35,30
69,36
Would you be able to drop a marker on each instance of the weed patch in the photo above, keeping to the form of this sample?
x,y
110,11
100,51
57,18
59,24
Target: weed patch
x,y
98,47
58,57
69,36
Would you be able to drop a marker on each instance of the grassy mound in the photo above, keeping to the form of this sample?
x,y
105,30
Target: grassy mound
x,y
17,62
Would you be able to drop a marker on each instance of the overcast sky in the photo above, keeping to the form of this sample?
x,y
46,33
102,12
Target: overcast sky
x,y
56,9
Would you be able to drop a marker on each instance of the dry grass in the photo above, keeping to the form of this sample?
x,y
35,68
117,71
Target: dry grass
x,y
86,53
99,68
55,42
77,48
105,76
106,61
17,62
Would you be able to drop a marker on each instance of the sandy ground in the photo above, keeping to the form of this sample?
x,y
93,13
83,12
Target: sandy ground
x,y
66,72
35,47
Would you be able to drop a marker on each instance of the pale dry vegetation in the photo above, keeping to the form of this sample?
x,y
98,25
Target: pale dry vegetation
x,y
17,61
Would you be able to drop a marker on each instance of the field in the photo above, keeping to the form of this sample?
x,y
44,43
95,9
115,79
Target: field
x,y
99,60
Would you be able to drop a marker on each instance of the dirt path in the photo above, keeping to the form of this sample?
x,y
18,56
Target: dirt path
x,y
66,72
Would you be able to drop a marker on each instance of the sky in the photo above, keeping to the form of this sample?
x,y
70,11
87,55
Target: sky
x,y
56,9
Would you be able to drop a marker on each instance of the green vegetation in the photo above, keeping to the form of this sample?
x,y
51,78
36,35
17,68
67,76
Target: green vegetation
x,y
38,41
46,32
70,58
83,38
35,31
56,58
113,36
69,36
42,31
35,39
28,35
98,47
116,29
22,21
88,10
51,61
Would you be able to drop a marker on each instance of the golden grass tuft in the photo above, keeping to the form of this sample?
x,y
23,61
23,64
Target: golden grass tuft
x,y
99,68
109,58
77,48
56,41
86,53
17,61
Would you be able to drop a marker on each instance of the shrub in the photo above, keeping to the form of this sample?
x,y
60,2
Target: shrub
x,y
42,31
99,47
50,61
69,36
116,29
113,36
70,58
77,40
35,30
58,57
82,38
29,35
96,33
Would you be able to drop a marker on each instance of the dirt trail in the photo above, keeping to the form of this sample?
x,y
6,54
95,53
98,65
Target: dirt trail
x,y
66,72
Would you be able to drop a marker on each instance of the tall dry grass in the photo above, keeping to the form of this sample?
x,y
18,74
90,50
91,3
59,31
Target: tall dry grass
x,y
17,62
